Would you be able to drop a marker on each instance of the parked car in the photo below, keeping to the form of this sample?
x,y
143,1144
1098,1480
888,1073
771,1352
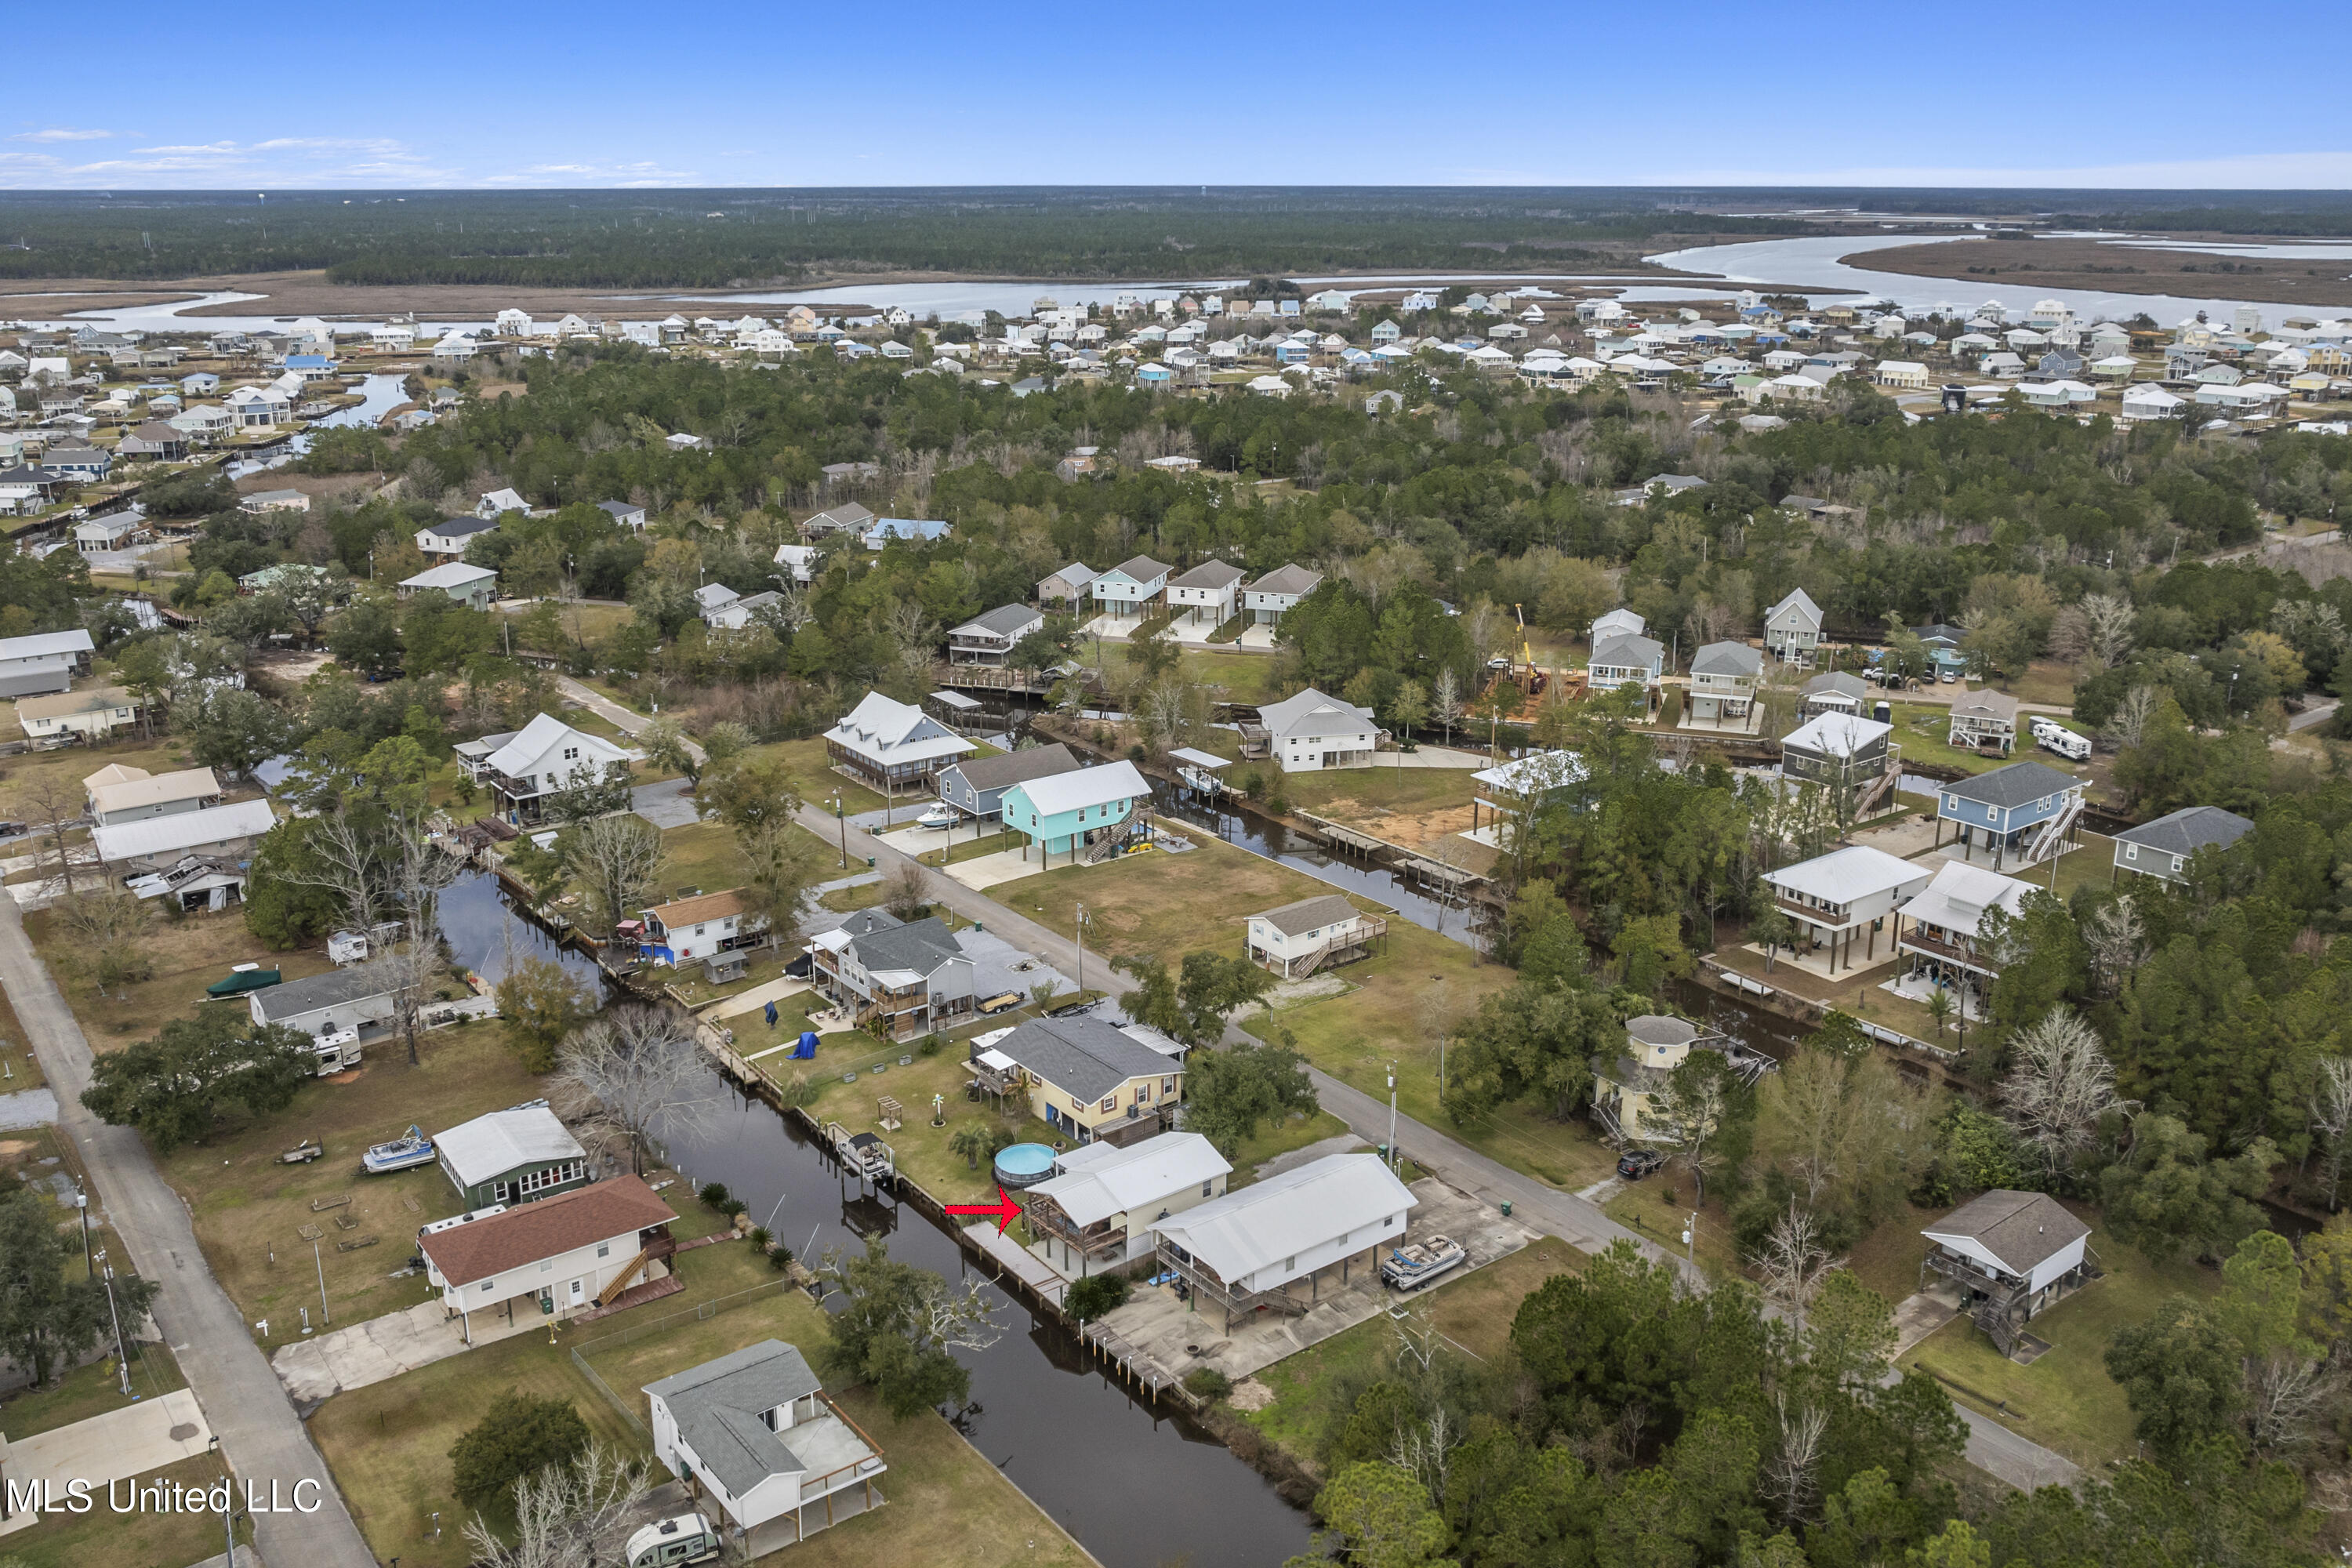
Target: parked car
x,y
1636,1164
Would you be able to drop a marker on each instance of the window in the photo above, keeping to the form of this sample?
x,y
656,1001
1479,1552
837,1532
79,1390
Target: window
x,y
2131,851
1291,1262
485,1286
1206,1186
571,753
1167,1086
1111,1103
1142,1093
604,1250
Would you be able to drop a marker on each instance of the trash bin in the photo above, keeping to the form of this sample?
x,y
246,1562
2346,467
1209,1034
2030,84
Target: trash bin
x,y
1506,1208
869,862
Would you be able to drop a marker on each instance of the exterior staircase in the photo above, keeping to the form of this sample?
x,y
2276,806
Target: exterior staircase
x,y
2053,833
660,1248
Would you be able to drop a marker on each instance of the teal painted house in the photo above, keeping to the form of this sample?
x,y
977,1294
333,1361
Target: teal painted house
x,y
1069,813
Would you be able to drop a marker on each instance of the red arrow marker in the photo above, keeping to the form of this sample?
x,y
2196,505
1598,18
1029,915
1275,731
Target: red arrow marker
x,y
1006,1210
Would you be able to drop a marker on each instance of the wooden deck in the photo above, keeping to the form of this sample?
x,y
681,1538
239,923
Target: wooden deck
x,y
1018,1260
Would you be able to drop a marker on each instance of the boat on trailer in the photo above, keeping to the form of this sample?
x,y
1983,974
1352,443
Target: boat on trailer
x,y
1416,1263
410,1149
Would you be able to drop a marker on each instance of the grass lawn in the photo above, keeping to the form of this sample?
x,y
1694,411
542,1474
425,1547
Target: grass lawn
x,y
1888,1260
2045,680
864,896
67,766
389,1444
1475,1311
806,763
249,1208
92,1390
140,1538
1164,904
2066,1401
188,952
1267,1143
704,855
921,1149
1367,794
1658,1206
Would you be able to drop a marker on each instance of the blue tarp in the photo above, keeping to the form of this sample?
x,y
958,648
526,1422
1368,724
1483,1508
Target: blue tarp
x,y
806,1049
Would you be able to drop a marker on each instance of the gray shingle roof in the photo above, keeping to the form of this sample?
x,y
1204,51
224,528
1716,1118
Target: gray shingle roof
x,y
2188,830
1209,575
1016,767
1629,652
921,947
717,1406
2014,785
1083,1058
1726,658
1837,682
2021,1230
1141,569
335,988
1003,621
1662,1029
1287,580
1309,914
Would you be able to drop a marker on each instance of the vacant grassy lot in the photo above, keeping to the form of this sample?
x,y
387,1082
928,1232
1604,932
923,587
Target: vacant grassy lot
x,y
249,1208
188,952
2045,680
65,767
1474,1312
1404,806
1157,903
389,1444
808,767
1267,1143
2066,1401
92,1390
101,1535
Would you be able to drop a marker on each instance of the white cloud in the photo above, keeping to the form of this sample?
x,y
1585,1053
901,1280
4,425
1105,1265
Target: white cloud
x,y
60,133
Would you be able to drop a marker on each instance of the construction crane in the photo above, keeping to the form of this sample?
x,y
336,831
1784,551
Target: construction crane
x,y
1528,679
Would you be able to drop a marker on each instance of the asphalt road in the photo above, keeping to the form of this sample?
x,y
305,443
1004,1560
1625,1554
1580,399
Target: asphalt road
x,y
1991,1446
241,1398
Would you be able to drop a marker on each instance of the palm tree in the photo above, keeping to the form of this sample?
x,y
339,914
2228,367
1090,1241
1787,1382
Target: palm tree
x,y
1939,1009
972,1140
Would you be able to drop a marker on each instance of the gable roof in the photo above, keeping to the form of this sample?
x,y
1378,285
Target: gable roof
x,y
454,574
1053,794
183,830
1836,683
460,527
1292,579
2012,785
610,1210
2189,829
1726,658
1799,599
1209,575
1629,651
504,1140
125,795
1085,1058
46,645
65,704
1285,718
1274,1220
899,731
2021,1230
1308,914
536,739
1845,875
1003,621
919,948
1095,1181
1960,893
1077,574
1835,734
717,1406
1138,569
1011,768
1985,703
693,911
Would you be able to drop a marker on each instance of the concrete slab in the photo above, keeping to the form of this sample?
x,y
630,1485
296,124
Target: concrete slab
x,y
988,870
130,1441
1433,757
664,804
1256,639
756,998
998,966
1158,1328
28,1107
1918,1316
382,1348
1345,1143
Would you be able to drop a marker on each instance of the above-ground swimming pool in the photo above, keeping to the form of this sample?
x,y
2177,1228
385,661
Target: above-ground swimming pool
x,y
1023,1165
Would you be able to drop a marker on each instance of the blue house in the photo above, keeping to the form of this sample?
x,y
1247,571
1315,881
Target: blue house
x,y
1089,812
1132,585
1153,376
200,383
920,531
2024,812
1293,353
309,367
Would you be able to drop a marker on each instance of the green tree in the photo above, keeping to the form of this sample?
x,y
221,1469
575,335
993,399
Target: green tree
x,y
1376,1516
898,1330
2165,1195
233,730
541,1001
520,1435
175,1087
1849,1331
1213,985
2180,1373
1703,1114
1229,1093
50,1316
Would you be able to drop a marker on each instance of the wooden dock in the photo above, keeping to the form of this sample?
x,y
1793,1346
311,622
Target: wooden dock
x,y
1017,1260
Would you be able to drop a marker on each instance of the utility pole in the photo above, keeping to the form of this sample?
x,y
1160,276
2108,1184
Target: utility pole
x,y
1690,1238
315,1259
1392,1147
81,1202
121,1356
844,827
1080,925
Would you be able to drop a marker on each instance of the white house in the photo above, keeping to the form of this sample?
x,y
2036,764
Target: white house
x,y
1129,587
93,714
2011,1254
1104,1202
119,793
990,638
1847,893
1900,373
449,537
1309,731
474,587
1617,623
1792,628
892,745
500,500
1205,594
1626,659
356,997
628,514
1258,1246
696,929
554,1257
755,1431
547,755
2149,401
800,560
1265,600
1296,939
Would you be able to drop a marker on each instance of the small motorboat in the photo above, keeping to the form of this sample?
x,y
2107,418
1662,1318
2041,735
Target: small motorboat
x,y
939,816
302,1154
1416,1263
404,1153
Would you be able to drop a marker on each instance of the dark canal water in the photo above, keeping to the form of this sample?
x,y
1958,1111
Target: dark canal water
x,y
1138,1488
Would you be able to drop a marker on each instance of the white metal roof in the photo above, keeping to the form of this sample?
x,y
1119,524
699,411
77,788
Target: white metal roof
x,y
520,755
1058,792
1330,715
1961,893
1191,758
1276,1219
1536,770
181,831
1099,1180
493,1145
123,795
1855,872
46,645
1836,735
455,574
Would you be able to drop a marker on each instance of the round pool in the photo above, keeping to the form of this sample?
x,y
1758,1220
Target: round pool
x,y
1023,1165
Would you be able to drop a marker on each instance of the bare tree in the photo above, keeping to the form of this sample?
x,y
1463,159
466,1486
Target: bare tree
x,y
618,860
2108,619
2063,1083
106,930
906,891
638,1072
2331,1115
1445,700
2069,636
583,1511
50,807
421,873
1794,1263
2287,1392
2117,940
1790,1475
2128,726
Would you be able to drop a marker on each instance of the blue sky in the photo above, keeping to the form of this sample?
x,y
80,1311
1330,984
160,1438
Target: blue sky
x,y
600,93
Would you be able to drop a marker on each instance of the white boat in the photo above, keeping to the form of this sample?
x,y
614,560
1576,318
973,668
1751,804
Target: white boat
x,y
411,1148
1416,1263
941,815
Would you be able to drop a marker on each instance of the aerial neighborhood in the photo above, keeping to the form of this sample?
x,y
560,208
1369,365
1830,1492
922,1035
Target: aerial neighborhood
x,y
1578,929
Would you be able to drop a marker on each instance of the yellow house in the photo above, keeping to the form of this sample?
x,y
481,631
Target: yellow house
x,y
1655,1044
1083,1077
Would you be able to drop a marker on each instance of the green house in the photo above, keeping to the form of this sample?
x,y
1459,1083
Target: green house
x,y
512,1156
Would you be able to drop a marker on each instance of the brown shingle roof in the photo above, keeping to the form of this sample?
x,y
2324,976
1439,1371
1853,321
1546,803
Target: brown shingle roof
x,y
2021,1230
691,911
489,1247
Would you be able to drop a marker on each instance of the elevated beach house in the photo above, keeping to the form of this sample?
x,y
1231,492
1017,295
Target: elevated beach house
x,y
891,747
1271,1244
2023,813
1087,813
1102,1206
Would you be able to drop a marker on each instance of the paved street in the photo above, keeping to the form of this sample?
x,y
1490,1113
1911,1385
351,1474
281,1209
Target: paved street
x,y
239,1396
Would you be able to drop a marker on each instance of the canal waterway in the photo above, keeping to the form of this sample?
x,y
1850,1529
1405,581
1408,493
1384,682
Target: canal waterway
x,y
1138,1487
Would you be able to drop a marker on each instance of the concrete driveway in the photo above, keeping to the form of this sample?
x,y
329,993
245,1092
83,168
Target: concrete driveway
x,y
385,1347
130,1441
988,870
664,804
